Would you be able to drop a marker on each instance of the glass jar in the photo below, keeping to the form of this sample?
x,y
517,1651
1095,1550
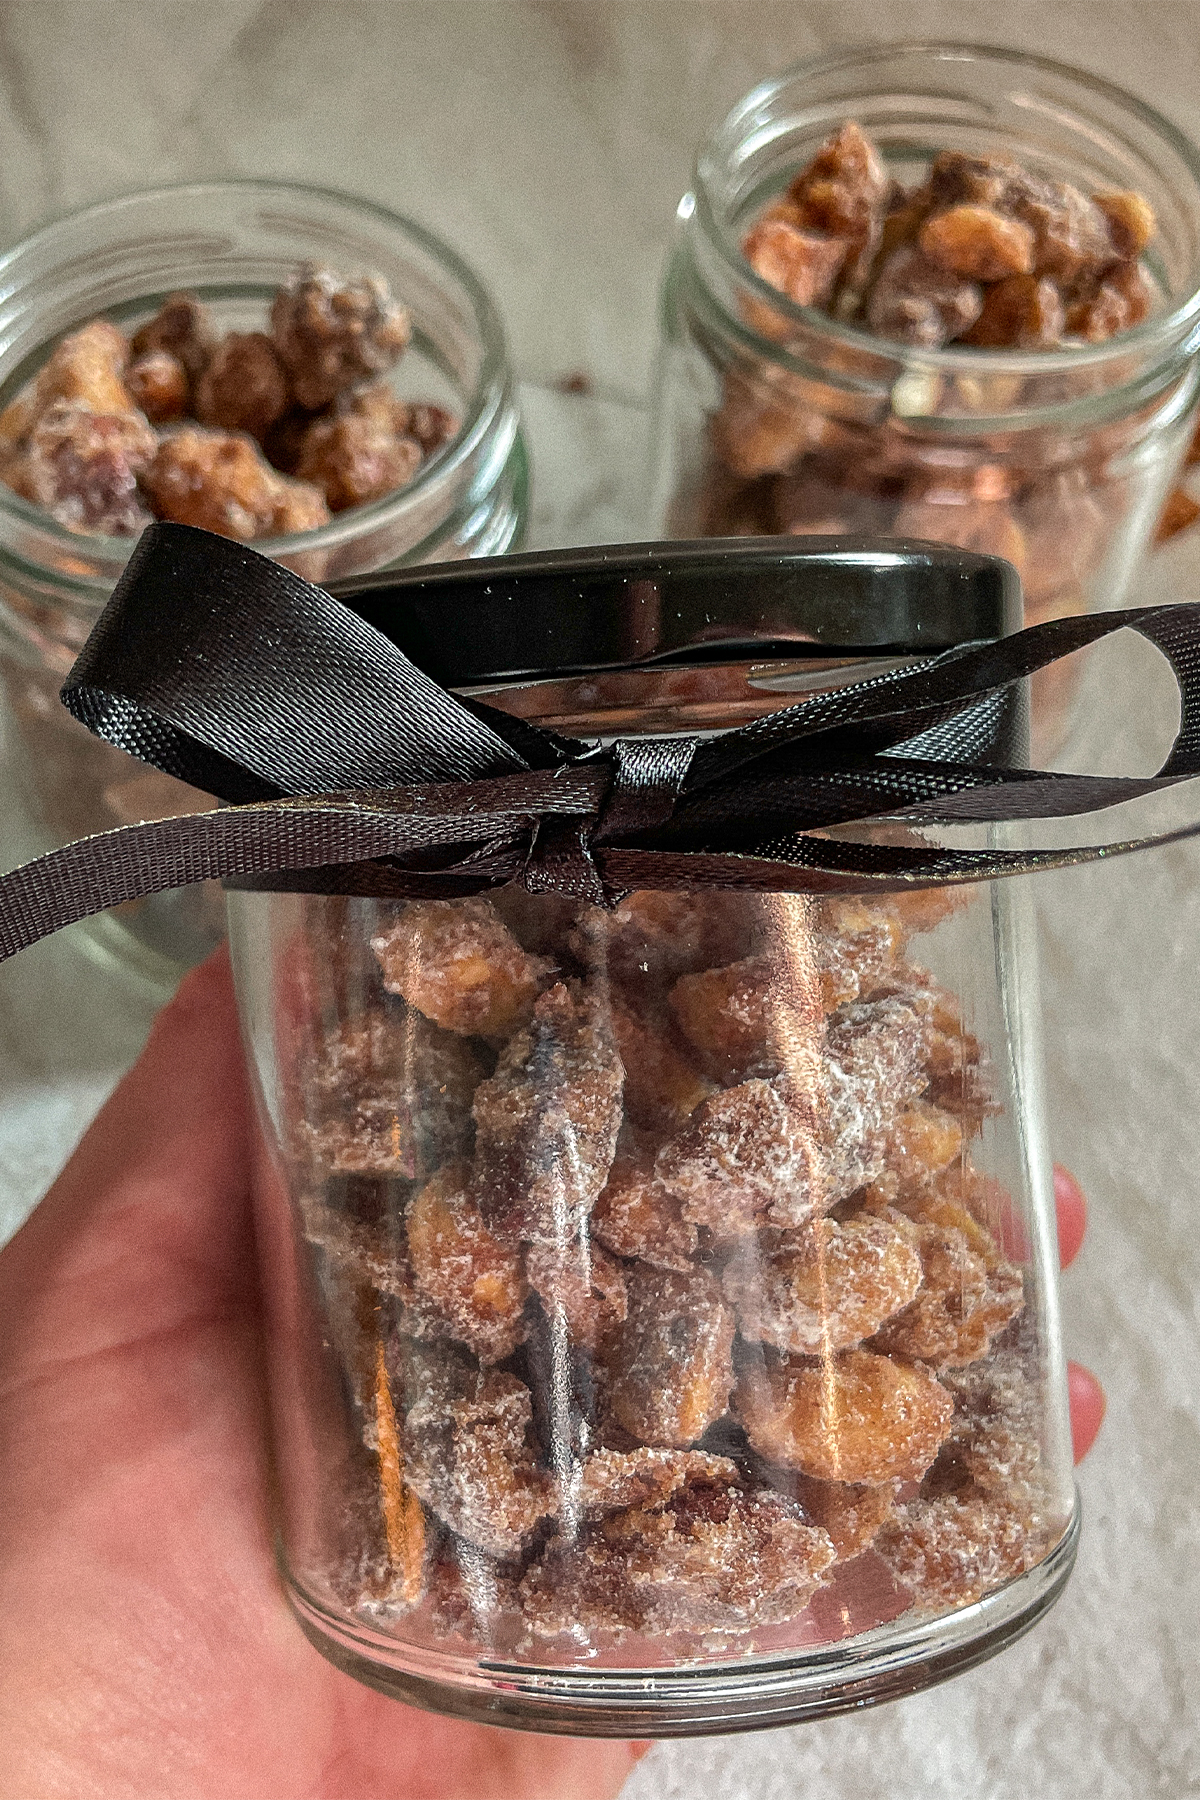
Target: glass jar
x,y
772,417
232,243
661,1316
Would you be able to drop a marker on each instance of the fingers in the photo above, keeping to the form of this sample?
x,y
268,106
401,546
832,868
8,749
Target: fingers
x,y
1071,1209
148,1223
1087,1403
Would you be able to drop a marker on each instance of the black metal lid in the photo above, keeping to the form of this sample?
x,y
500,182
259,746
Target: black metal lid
x,y
564,612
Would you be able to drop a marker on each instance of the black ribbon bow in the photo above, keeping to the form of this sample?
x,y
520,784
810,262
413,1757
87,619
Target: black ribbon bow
x,y
347,769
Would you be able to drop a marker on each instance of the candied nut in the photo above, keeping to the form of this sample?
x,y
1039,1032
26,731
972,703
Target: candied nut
x,y
982,525
181,326
547,1121
1072,237
1122,299
158,383
431,425
726,1015
388,1095
466,1435
581,1287
219,481
747,1157
1131,222
804,265
332,333
613,1479
955,178
243,386
460,965
757,431
906,214
968,1294
949,1552
854,1417
353,459
922,1141
83,466
636,1216
403,1515
85,370
977,242
845,186
668,1372
654,936
1022,312
850,1512
875,1066
916,301
1179,511
825,1288
663,1087
711,1557
299,507
858,943
469,1279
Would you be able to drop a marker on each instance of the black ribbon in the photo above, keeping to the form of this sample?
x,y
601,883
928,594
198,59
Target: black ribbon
x,y
346,769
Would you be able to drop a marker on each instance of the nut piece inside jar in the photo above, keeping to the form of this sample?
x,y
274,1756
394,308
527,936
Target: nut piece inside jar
x,y
660,1372
254,434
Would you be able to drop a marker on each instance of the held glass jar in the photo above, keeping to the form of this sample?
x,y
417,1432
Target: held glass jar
x,y
232,244
661,1312
777,417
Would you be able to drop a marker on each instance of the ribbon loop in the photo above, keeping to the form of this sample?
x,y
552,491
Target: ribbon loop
x,y
648,774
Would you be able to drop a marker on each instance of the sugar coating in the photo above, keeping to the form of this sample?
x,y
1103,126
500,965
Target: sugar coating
x,y
547,1122
726,1016
332,333
652,937
243,386
968,1292
748,1157
459,964
466,1432
824,1288
580,1286
667,1374
389,1095
851,1512
219,481
951,1551
663,1085
638,1216
711,1557
852,1417
614,1479
467,1277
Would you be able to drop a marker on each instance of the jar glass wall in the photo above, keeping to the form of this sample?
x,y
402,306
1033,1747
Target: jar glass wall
x,y
661,1303
773,417
233,244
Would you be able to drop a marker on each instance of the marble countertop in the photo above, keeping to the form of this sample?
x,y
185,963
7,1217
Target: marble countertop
x,y
550,141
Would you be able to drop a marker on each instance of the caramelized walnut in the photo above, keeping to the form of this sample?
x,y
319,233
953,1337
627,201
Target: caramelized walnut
x,y
668,1372
182,326
86,369
581,1288
218,481
663,1086
977,242
243,386
804,265
353,459
158,383
1023,312
469,1279
747,1157
83,467
637,1216
853,1417
914,300
547,1121
332,333
968,1292
457,963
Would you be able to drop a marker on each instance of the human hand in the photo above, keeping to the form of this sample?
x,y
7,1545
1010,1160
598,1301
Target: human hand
x,y
147,1645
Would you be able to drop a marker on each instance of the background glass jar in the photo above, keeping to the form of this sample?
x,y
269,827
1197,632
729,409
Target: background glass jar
x,y
771,417
232,243
662,1328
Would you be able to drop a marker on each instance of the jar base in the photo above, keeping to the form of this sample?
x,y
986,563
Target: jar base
x,y
757,1694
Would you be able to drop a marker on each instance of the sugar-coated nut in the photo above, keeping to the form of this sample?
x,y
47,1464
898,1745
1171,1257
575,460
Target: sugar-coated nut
x,y
915,300
977,242
86,369
1072,237
158,383
1131,222
804,265
220,482
431,425
581,1288
747,1157
663,1086
967,1296
637,1216
845,186
668,1372
950,1551
727,1016
332,333
955,178
476,1284
613,1479
850,1512
757,431
182,325
923,1139
83,467
547,1122
243,386
652,936
854,1417
1022,312
1121,299
1179,511
822,1289
458,963
354,459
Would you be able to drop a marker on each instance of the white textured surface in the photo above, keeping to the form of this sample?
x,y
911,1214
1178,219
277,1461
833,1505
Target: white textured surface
x,y
550,142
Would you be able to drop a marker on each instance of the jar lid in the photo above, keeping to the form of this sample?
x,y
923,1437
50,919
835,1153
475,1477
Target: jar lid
x,y
576,612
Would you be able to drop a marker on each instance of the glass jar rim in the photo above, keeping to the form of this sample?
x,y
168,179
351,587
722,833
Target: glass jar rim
x,y
1177,329
479,409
